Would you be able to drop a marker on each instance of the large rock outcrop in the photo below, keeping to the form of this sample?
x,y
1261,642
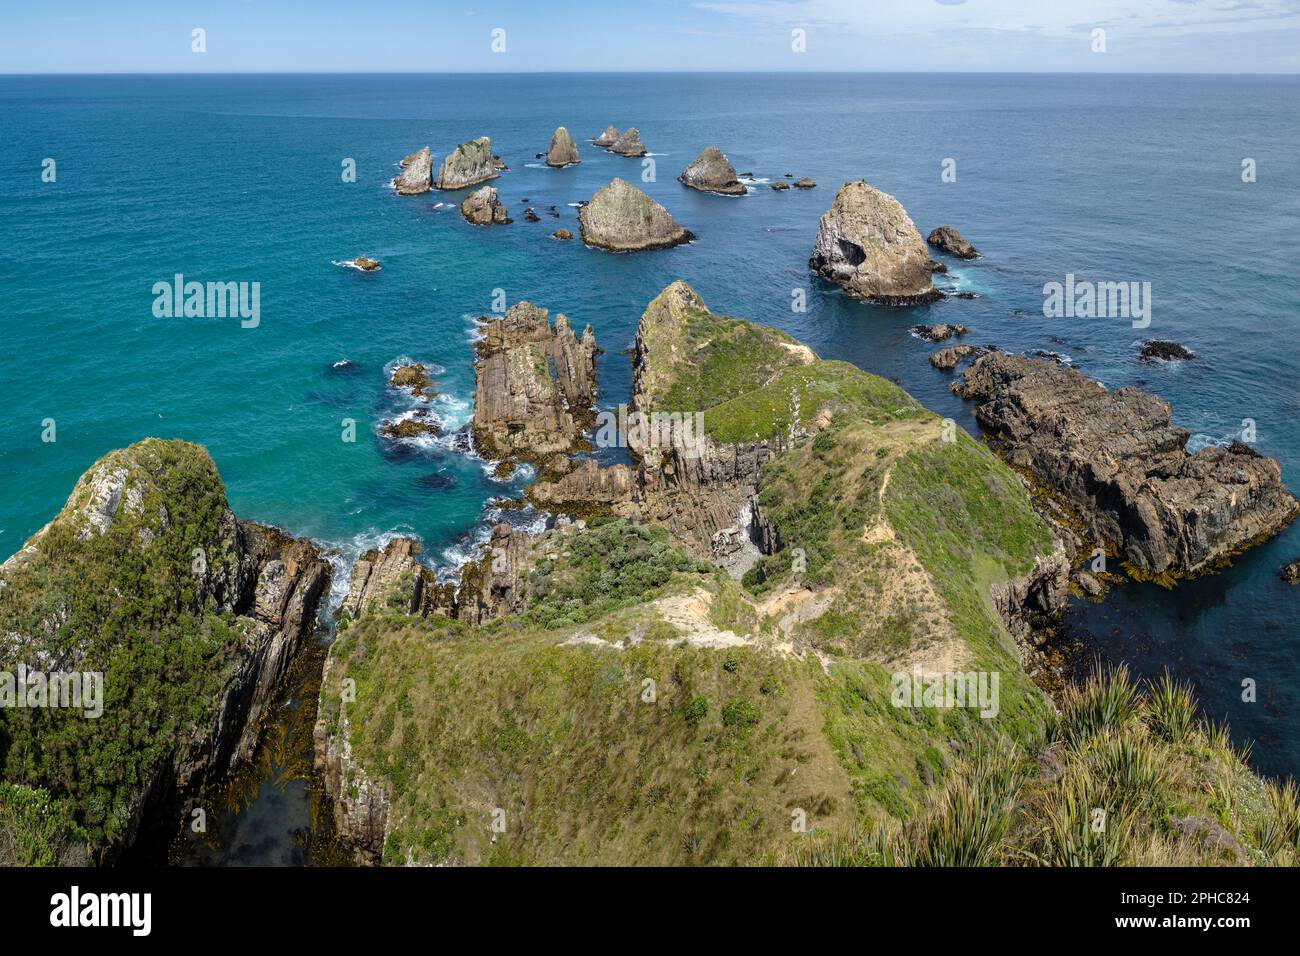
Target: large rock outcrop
x,y
467,165
417,174
868,245
701,489
712,172
621,218
1122,470
607,138
535,386
629,143
193,617
563,151
484,208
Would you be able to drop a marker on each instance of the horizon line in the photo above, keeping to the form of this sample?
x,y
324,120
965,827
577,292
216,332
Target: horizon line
x,y
646,73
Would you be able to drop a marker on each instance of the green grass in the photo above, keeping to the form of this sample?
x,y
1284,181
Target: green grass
x,y
799,394
587,771
698,360
1104,786
612,566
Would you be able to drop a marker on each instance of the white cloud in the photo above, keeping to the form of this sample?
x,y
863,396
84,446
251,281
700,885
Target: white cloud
x,y
1060,19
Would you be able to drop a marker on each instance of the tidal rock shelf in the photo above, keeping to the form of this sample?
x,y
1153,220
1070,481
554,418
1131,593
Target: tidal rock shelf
x,y
1120,471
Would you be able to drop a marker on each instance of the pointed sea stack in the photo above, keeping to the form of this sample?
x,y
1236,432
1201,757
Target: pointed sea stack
x,y
467,165
416,175
563,151
712,172
608,138
621,218
869,246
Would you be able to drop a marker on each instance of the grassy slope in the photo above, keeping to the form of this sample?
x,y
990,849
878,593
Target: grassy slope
x,y
699,360
1122,776
821,495
460,722
129,610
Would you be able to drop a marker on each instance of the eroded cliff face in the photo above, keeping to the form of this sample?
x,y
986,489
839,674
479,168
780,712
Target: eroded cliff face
x,y
536,383
869,246
1119,470
193,617
698,489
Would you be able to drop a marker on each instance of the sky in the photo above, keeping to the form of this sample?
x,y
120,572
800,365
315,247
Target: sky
x,y
1140,36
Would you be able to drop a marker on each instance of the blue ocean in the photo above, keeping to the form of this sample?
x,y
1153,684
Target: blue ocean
x,y
241,178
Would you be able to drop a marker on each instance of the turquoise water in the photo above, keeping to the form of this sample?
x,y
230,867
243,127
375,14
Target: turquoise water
x,y
238,178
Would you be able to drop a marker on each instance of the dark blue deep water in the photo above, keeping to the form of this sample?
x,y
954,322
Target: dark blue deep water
x,y
238,178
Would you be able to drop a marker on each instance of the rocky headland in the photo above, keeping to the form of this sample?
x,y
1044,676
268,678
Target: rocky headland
x,y
1119,471
869,246
828,483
